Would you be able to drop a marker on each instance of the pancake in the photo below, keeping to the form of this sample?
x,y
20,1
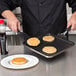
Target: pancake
x,y
49,49
48,38
19,61
33,41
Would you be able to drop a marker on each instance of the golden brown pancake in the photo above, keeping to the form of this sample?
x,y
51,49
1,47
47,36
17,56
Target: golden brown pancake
x,y
48,38
19,61
33,41
49,49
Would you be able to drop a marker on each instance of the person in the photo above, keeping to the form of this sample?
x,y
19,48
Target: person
x,y
39,16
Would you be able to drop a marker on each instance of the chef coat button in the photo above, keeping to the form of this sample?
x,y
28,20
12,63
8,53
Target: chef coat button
x,y
41,4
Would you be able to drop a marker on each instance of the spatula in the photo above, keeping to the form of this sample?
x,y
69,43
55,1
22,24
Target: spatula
x,y
63,35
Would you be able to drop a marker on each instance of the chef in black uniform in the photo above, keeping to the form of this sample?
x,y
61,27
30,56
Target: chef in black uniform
x,y
39,17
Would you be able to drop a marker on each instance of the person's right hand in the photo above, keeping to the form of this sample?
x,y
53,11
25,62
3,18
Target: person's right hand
x,y
13,24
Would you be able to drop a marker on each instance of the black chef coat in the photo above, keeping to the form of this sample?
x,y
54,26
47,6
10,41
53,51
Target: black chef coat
x,y
40,16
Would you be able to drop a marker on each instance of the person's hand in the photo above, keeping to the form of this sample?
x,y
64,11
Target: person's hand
x,y
72,21
13,24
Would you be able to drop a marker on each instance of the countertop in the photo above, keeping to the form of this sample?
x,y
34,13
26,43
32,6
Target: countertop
x,y
61,65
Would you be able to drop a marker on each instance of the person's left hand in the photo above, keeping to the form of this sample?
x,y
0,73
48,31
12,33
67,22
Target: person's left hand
x,y
72,21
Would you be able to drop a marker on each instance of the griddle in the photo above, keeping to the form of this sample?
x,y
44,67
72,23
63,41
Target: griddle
x,y
60,44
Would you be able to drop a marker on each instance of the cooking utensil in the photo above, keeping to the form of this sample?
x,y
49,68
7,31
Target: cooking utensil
x,y
60,44
22,34
63,35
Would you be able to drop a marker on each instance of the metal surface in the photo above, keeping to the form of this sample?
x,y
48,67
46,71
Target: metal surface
x,y
60,44
61,65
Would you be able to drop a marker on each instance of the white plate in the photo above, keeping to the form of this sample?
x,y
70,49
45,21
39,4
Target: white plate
x,y
32,61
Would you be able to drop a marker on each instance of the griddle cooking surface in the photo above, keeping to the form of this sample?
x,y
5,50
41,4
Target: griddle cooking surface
x,y
58,43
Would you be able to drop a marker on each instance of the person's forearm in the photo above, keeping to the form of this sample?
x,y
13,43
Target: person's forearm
x,y
8,14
